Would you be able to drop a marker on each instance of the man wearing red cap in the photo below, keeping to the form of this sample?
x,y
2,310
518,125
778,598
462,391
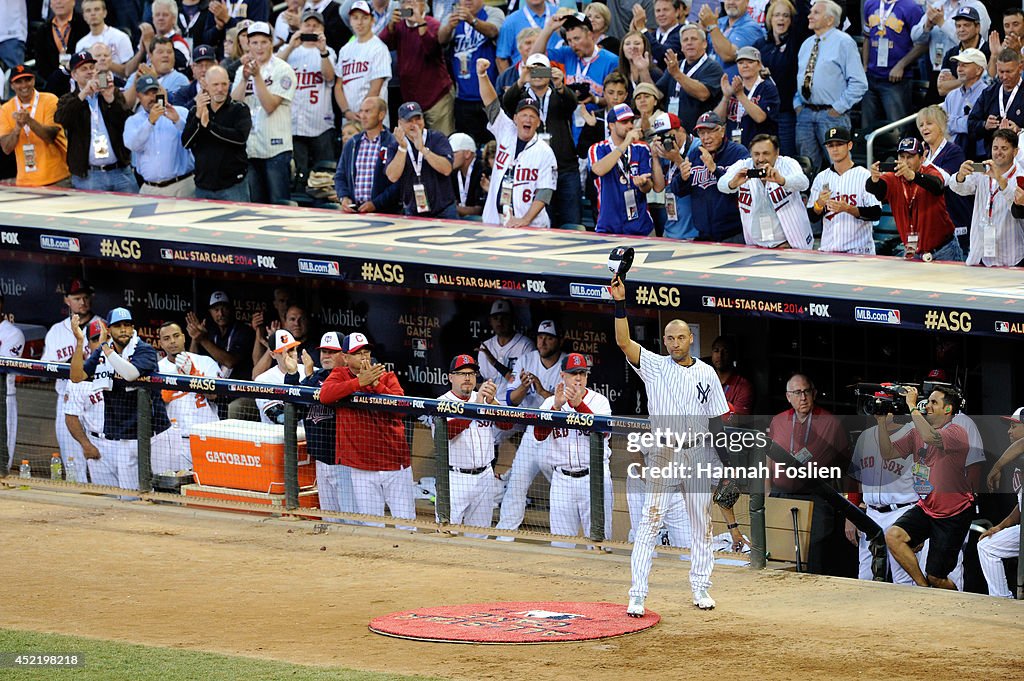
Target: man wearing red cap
x,y
371,444
569,452
27,129
286,357
471,448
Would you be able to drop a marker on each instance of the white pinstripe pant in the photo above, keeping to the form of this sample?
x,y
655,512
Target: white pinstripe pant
x,y
991,551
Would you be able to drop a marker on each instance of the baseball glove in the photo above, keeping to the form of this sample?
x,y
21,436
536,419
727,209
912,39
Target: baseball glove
x,y
727,494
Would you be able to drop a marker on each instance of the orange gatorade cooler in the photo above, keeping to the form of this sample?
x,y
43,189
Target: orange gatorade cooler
x,y
246,455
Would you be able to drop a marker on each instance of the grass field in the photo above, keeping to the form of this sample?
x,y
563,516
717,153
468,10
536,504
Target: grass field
x,y
110,661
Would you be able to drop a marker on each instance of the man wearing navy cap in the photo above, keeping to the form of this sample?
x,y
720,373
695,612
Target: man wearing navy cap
x,y
421,163
154,133
94,119
625,173
203,57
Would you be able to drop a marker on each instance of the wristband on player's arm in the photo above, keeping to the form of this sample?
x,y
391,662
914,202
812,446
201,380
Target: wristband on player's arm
x,y
620,309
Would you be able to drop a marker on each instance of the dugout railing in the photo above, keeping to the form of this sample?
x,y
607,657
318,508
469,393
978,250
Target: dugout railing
x,y
413,408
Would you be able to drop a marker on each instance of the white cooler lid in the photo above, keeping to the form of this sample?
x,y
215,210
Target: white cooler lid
x,y
246,431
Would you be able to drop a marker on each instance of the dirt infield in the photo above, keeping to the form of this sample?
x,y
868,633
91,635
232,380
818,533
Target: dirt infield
x,y
273,589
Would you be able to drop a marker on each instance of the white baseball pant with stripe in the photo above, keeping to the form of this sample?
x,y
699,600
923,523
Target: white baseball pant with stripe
x,y
991,551
531,459
69,446
372,490
118,465
677,522
472,499
334,488
570,506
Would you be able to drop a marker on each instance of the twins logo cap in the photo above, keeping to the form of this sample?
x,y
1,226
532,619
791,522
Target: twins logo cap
x,y
1017,417
203,53
708,120
547,326
330,341
284,341
410,110
501,306
219,298
118,315
575,363
79,58
462,361
355,342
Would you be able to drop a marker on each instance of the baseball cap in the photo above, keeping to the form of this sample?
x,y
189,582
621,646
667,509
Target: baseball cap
x,y
575,363
310,13
708,120
527,103
118,315
547,326
971,55
95,328
1017,417
663,123
259,27
360,6
577,19
243,25
501,306
910,145
674,121
79,58
937,376
75,286
21,71
838,134
647,89
330,341
203,53
461,361
355,341
620,112
284,341
968,13
538,60
460,141
409,110
146,83
749,52
219,298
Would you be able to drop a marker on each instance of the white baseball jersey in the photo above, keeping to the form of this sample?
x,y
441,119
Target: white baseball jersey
x,y
997,238
508,354
360,63
842,232
12,344
534,168
473,447
117,40
569,448
549,378
85,400
271,134
312,112
882,482
771,214
675,390
59,346
976,447
276,376
186,409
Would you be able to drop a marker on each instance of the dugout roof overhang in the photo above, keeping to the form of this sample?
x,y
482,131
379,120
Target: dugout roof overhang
x,y
468,257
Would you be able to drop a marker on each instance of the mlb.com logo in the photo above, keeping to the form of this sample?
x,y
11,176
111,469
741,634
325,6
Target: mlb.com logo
x,y
1002,327
329,268
708,301
166,254
589,291
877,315
430,277
68,244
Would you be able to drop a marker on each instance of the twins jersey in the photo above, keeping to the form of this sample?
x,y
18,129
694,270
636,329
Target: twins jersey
x,y
312,112
771,214
841,232
271,133
186,409
473,447
882,482
613,214
549,377
532,169
997,238
360,63
12,344
59,346
118,41
508,354
276,376
569,448
85,400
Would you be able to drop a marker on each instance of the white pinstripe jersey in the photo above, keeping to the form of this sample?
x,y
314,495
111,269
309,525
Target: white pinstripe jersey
x,y
882,482
535,168
85,400
991,222
473,447
312,112
569,448
271,135
788,216
510,354
841,232
12,344
186,409
549,377
58,347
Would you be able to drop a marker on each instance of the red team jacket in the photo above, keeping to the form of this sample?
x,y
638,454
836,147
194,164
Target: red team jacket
x,y
370,441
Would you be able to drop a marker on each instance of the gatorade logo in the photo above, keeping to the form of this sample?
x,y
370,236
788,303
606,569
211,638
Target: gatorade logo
x,y
232,459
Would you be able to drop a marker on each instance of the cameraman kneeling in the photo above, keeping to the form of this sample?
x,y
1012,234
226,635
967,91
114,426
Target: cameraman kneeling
x,y
944,515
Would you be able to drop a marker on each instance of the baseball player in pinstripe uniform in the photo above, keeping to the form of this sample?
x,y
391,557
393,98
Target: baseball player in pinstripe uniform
x,y
685,398
771,209
500,354
839,199
1003,540
83,409
12,344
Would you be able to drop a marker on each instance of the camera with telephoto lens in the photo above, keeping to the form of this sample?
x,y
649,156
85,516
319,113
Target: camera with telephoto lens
x,y
879,399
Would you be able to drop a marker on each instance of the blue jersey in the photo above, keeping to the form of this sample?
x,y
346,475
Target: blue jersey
x,y
715,215
612,188
765,95
468,45
592,71
120,417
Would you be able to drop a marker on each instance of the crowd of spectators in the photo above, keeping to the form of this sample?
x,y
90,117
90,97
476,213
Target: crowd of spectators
x,y
646,112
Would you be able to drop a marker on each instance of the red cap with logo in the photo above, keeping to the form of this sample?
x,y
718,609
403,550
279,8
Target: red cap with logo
x,y
461,361
575,363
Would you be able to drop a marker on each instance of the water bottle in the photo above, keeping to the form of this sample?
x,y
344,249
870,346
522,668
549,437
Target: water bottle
x,y
69,471
24,471
56,469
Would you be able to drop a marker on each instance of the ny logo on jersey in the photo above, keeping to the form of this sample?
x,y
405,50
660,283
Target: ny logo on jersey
x,y
703,392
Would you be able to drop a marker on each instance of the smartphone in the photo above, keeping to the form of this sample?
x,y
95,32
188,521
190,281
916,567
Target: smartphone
x,y
309,37
540,72
887,167
161,100
406,12
757,172
103,80
979,167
